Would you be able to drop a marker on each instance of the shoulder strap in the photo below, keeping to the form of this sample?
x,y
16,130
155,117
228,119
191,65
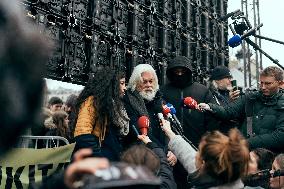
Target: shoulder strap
x,y
249,107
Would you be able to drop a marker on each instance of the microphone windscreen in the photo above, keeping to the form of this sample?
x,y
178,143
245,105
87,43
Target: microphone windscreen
x,y
143,124
166,110
172,108
190,103
235,41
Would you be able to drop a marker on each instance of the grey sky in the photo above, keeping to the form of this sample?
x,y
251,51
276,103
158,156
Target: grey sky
x,y
53,84
271,15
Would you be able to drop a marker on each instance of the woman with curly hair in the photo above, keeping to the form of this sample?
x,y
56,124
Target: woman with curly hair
x,y
58,125
100,116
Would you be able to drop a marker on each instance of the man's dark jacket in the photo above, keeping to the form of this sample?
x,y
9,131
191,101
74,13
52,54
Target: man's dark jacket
x,y
136,107
166,171
267,118
194,123
222,98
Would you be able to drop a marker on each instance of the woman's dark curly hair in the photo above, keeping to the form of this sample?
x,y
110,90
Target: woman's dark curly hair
x,y
104,86
59,120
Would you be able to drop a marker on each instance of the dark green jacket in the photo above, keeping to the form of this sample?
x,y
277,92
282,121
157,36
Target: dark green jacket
x,y
267,118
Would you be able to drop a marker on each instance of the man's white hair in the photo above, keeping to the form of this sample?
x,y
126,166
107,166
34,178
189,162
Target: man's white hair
x,y
136,76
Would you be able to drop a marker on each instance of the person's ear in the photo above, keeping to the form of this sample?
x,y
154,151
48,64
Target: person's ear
x,y
281,84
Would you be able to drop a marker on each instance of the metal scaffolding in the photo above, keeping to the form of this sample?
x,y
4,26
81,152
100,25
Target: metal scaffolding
x,y
251,6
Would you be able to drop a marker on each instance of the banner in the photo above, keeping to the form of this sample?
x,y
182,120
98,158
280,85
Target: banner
x,y
22,167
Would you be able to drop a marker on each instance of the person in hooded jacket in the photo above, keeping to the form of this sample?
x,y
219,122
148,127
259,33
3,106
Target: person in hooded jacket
x,y
181,85
194,123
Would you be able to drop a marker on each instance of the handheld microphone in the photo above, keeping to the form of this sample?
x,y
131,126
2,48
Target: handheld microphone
x,y
177,128
172,116
135,130
143,124
236,40
189,103
166,110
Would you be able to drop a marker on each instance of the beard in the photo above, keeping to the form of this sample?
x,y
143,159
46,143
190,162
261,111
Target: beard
x,y
225,88
148,95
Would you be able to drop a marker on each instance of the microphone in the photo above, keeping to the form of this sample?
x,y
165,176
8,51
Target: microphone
x,y
234,14
166,110
169,111
143,124
236,40
189,103
172,116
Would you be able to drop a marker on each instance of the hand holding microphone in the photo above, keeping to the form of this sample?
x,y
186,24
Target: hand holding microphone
x,y
170,112
166,127
204,107
145,139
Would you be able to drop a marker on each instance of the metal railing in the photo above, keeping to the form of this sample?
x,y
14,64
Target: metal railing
x,y
27,141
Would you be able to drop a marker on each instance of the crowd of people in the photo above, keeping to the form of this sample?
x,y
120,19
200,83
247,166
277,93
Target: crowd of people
x,y
228,140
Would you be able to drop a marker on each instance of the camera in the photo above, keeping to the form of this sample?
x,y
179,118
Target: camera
x,y
261,178
234,85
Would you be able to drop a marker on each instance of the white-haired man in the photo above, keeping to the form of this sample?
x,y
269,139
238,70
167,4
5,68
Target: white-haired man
x,y
143,98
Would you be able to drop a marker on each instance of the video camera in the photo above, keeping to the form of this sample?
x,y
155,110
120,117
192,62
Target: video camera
x,y
261,178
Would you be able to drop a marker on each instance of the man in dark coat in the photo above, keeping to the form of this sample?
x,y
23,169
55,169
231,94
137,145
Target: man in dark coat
x,y
223,93
260,112
181,85
194,123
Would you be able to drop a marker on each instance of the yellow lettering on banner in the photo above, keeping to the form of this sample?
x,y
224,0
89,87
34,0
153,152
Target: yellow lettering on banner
x,y
22,166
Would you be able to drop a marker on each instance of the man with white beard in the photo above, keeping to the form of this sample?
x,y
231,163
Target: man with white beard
x,y
143,98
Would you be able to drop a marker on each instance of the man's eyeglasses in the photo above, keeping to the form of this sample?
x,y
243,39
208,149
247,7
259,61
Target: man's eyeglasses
x,y
267,83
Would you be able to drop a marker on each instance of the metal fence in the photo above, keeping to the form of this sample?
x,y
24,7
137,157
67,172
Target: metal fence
x,y
36,142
